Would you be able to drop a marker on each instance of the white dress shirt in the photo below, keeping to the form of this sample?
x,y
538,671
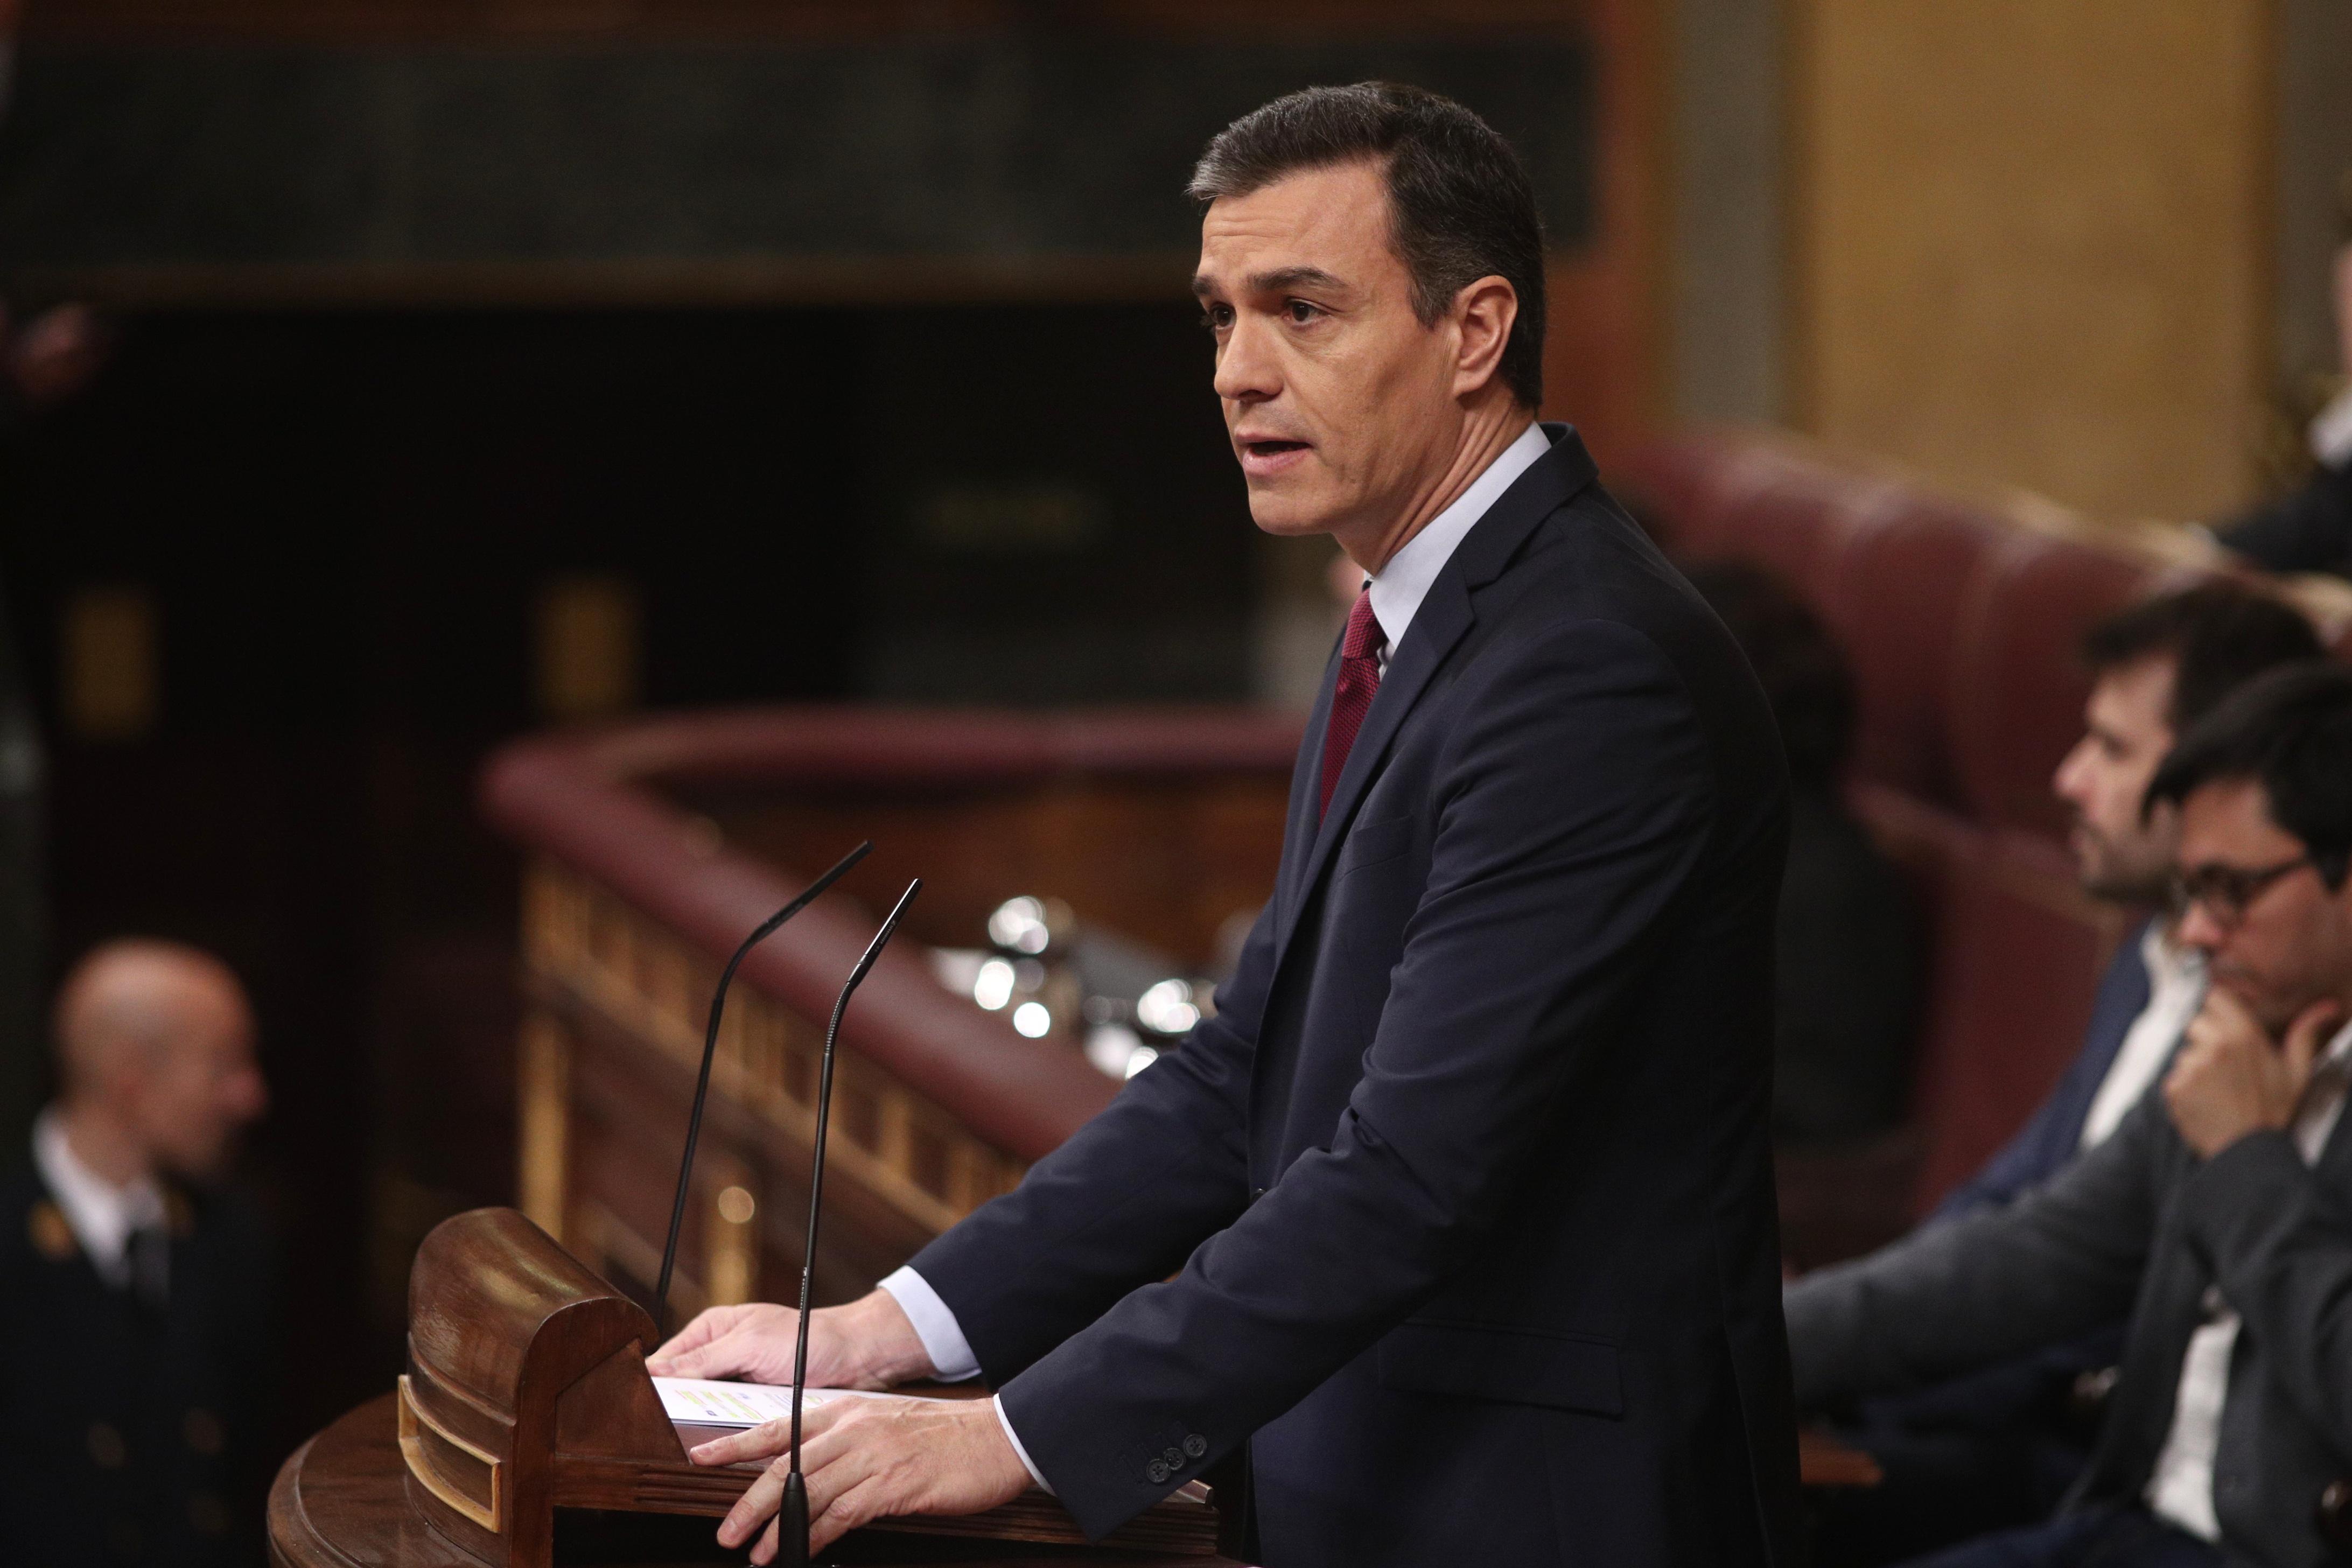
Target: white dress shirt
x,y
1397,592
101,1216
1404,583
2180,1489
2176,989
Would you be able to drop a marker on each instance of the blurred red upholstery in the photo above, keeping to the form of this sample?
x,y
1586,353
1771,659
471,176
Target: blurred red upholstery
x,y
1962,626
1895,601
2018,684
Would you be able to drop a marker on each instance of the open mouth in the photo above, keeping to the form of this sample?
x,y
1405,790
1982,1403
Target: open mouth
x,y
1264,459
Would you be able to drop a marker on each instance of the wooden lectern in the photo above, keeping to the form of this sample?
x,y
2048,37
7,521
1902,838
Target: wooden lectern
x,y
526,1392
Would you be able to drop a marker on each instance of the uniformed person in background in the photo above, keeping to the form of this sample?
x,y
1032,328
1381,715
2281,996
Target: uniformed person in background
x,y
134,1290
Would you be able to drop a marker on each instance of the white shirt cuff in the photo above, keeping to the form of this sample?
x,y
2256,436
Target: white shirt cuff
x,y
1014,1439
942,1337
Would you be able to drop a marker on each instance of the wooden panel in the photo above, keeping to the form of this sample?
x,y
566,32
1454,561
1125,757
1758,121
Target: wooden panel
x,y
1165,862
634,1000
2030,242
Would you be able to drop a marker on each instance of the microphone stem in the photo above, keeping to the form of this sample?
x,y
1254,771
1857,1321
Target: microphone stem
x,y
816,1174
702,1080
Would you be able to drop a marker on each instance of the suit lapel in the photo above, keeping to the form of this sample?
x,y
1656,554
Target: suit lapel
x,y
1446,614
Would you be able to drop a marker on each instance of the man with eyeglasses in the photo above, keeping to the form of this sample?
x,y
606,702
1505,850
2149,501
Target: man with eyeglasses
x,y
2219,1215
2000,1446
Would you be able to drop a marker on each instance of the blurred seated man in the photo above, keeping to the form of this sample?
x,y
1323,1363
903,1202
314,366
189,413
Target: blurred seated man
x,y
2001,1445
2218,1214
1846,939
2311,528
134,1292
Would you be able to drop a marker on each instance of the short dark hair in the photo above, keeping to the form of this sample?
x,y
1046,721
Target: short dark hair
x,y
1460,204
1807,682
2218,634
2290,731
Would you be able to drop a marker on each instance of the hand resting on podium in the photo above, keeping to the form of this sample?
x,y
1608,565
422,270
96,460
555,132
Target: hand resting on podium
x,y
868,1343
862,1459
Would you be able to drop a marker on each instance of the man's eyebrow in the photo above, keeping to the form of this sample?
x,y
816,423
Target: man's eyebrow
x,y
1286,277
1276,282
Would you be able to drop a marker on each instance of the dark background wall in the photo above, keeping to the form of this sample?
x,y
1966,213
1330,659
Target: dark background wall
x,y
343,523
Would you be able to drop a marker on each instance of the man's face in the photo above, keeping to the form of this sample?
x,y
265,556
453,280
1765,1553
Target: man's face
x,y
192,1094
1339,402
2126,731
2291,944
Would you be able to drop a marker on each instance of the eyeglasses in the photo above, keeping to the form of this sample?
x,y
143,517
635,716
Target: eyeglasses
x,y
2227,892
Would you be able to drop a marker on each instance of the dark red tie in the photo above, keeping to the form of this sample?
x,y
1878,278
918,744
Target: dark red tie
x,y
1360,679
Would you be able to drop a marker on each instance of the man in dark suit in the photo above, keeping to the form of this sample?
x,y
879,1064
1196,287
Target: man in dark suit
x,y
2216,1215
2002,1445
134,1295
1456,1218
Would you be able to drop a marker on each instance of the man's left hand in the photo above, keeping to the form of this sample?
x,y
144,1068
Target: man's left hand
x,y
864,1458
2230,1079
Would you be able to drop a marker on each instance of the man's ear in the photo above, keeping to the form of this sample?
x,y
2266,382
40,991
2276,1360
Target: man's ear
x,y
1484,314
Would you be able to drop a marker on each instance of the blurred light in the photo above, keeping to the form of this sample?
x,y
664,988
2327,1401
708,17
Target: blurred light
x,y
1143,1058
1168,1007
993,986
1109,1046
1032,1019
735,1205
957,967
1019,926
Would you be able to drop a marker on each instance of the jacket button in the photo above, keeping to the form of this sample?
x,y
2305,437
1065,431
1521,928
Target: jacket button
x,y
1195,1446
1156,1471
1175,1457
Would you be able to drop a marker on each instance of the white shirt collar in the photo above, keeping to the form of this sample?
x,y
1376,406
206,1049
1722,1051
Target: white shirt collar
x,y
102,1216
1404,583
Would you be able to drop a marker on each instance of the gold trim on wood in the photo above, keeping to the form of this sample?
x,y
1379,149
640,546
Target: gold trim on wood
x,y
585,944
425,1444
543,1117
732,1249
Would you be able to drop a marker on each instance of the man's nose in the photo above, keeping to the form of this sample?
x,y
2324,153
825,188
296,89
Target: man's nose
x,y
248,1097
1245,368
2199,930
2066,783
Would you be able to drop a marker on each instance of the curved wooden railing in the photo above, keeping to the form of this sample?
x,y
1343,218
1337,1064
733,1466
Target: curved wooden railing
x,y
652,848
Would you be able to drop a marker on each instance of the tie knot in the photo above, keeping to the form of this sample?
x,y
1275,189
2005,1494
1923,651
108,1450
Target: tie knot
x,y
1364,636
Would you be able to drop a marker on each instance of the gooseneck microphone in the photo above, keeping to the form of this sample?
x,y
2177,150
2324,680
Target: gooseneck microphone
x,y
710,1050
792,1527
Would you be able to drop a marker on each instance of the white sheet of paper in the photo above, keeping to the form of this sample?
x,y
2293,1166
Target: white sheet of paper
x,y
708,1404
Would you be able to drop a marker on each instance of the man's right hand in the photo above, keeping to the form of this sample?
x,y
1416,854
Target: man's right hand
x,y
868,1343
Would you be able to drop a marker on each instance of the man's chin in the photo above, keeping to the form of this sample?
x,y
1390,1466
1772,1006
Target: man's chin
x,y
1278,510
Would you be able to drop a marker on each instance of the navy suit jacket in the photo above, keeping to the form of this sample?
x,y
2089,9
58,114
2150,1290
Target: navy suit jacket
x,y
1462,1202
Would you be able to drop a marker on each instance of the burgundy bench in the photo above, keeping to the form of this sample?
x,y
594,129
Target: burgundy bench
x,y
1961,622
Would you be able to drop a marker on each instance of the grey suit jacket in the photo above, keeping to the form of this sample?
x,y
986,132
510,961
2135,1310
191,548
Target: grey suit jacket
x,y
2142,1225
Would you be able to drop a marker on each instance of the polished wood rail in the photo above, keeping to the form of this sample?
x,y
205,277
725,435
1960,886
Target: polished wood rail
x,y
652,848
